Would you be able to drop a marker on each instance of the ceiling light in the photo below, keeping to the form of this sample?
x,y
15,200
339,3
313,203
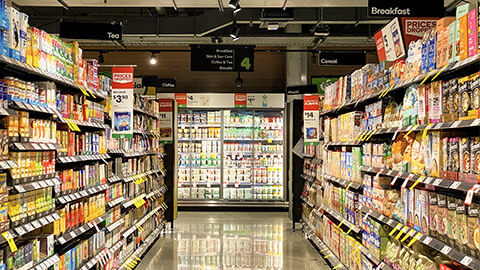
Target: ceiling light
x,y
235,32
101,59
233,3
153,59
237,9
238,81
235,39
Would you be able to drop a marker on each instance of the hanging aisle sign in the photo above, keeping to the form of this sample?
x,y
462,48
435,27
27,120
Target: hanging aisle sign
x,y
122,102
311,119
165,120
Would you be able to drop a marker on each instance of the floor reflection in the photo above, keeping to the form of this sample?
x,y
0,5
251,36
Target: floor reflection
x,y
228,246
232,241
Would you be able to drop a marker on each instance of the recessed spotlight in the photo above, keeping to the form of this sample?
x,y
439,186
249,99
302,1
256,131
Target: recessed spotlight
x,y
233,3
235,32
153,59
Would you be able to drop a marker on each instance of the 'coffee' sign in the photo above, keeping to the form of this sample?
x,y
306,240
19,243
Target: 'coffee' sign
x,y
405,8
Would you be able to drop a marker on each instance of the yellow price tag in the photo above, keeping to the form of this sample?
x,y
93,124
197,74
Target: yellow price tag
x,y
369,136
11,242
385,91
338,265
357,249
83,90
405,237
140,228
67,121
328,255
214,155
365,135
426,77
91,93
340,224
270,140
323,250
269,169
440,71
203,155
358,135
420,179
395,229
410,131
414,239
400,232
349,185
349,231
426,130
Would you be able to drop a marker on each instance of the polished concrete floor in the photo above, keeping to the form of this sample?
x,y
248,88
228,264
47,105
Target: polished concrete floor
x,y
232,240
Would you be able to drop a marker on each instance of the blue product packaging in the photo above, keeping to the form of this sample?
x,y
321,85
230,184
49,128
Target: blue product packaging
x,y
432,50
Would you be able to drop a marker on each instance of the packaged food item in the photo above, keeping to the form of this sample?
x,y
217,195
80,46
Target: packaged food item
x,y
451,220
454,156
473,230
442,217
465,93
461,226
436,156
475,91
454,97
465,155
418,155
475,155
435,100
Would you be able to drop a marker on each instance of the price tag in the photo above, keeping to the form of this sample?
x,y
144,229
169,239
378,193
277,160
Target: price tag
x,y
475,122
29,227
20,230
419,180
400,232
36,146
19,188
43,221
428,180
36,224
456,124
95,224
395,179
455,185
399,225
10,241
414,239
366,216
466,261
35,185
470,193
43,184
445,250
81,229
437,182
50,219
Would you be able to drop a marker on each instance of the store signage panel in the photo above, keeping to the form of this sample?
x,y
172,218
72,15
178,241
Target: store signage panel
x,y
122,102
311,119
159,82
389,42
342,58
415,28
265,101
181,99
222,58
165,120
240,100
210,101
405,8
96,31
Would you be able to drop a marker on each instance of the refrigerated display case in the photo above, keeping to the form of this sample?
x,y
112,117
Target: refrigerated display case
x,y
230,155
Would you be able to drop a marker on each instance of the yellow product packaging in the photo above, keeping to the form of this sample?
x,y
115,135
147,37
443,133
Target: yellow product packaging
x,y
418,155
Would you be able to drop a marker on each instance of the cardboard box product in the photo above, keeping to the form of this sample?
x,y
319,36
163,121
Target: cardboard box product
x,y
451,220
475,155
452,31
425,219
442,216
472,32
442,28
465,96
475,91
473,229
436,154
462,19
433,214
461,226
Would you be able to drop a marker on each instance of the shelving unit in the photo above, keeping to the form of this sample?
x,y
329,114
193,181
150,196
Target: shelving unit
x,y
347,169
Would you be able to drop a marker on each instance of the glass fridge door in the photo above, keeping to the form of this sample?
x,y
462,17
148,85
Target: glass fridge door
x,y
199,143
268,157
237,155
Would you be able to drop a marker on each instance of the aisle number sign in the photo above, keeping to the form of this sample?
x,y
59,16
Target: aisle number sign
x,y
122,102
165,119
311,119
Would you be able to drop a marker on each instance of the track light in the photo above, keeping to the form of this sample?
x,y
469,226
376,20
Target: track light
x,y
233,3
235,32
153,59
238,81
101,59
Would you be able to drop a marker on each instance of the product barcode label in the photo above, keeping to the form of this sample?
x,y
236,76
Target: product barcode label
x,y
428,180
456,124
455,184
427,240
390,222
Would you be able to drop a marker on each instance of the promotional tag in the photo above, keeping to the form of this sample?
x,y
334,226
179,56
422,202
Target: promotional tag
x,y
11,243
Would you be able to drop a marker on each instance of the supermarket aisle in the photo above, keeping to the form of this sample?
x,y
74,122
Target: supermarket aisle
x,y
236,240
